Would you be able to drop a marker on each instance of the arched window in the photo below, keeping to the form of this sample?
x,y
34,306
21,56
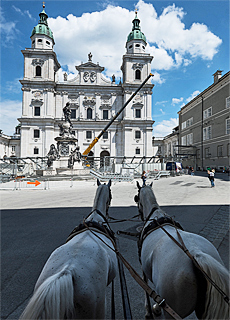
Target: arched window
x,y
138,75
38,71
89,113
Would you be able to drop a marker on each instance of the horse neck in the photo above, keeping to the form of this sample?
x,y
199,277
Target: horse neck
x,y
149,204
99,204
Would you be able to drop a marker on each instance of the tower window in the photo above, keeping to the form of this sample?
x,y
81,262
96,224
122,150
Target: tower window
x,y
105,135
36,150
105,114
130,47
36,133
137,74
138,151
38,71
137,134
137,45
47,42
89,113
138,113
37,111
40,40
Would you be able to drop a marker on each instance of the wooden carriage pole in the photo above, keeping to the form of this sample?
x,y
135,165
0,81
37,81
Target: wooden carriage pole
x,y
115,117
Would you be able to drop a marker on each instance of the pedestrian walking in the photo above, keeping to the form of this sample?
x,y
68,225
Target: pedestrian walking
x,y
144,177
192,172
211,177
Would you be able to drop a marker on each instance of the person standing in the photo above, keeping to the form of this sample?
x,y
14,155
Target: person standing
x,y
144,177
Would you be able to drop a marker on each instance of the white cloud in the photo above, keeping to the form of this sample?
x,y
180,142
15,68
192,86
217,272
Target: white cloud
x,y
8,30
23,13
176,100
171,44
193,95
10,110
163,112
165,127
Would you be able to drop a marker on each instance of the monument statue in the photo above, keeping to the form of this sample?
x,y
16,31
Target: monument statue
x,y
52,155
67,112
74,156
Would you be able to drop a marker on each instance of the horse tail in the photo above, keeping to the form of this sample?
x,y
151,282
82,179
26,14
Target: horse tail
x,y
215,306
53,299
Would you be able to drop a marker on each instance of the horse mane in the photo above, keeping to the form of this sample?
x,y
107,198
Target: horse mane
x,y
147,190
98,194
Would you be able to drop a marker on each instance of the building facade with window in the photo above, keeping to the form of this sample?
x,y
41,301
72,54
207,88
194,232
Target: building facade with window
x,y
94,99
205,126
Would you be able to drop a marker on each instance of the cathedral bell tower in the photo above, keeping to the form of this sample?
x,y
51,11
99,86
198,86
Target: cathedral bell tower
x,y
136,124
38,87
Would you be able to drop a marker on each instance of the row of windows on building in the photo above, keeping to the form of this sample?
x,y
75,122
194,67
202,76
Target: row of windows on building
x,y
206,114
137,151
89,134
207,134
220,152
89,113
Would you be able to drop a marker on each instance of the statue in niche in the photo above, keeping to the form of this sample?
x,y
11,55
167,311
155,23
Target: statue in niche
x,y
65,76
75,155
52,155
113,78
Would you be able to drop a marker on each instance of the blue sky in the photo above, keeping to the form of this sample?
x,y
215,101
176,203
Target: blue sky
x,y
188,39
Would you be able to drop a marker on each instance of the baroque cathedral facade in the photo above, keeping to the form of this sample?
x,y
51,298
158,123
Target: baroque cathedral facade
x,y
94,99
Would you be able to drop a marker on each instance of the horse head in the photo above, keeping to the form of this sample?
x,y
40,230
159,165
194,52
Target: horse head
x,y
103,197
139,198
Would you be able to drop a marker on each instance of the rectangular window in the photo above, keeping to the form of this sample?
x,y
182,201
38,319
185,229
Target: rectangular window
x,y
228,149
37,111
13,148
88,134
183,125
207,133
137,134
189,139
220,151
36,133
138,151
159,149
189,122
183,140
105,135
208,112
227,126
228,102
73,114
105,114
207,153
198,153
138,113
36,150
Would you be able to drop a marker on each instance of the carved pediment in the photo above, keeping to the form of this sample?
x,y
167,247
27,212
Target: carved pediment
x,y
89,101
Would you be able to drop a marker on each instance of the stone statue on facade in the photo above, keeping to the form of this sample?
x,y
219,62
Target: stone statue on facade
x,y
52,155
90,56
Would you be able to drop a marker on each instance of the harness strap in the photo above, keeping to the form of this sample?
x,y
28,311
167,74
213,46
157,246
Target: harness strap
x,y
156,297
185,249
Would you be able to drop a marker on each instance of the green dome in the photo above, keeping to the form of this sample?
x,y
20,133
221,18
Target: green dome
x,y
136,33
42,27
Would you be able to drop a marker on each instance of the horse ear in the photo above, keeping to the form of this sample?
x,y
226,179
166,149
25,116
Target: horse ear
x,y
98,182
151,184
138,186
109,183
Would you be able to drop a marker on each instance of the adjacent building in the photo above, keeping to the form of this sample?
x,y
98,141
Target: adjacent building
x,y
204,126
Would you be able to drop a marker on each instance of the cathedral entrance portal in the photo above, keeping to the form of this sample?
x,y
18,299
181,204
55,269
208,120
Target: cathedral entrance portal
x,y
104,161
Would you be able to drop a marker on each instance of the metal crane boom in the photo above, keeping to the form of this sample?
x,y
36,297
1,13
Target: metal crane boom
x,y
115,117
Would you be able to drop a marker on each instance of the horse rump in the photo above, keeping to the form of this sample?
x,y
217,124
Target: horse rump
x,y
214,305
53,299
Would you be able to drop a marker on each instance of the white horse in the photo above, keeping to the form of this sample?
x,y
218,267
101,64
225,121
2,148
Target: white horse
x,y
173,274
72,284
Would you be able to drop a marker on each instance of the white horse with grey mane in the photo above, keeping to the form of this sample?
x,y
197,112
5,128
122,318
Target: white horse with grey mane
x,y
72,284
174,275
